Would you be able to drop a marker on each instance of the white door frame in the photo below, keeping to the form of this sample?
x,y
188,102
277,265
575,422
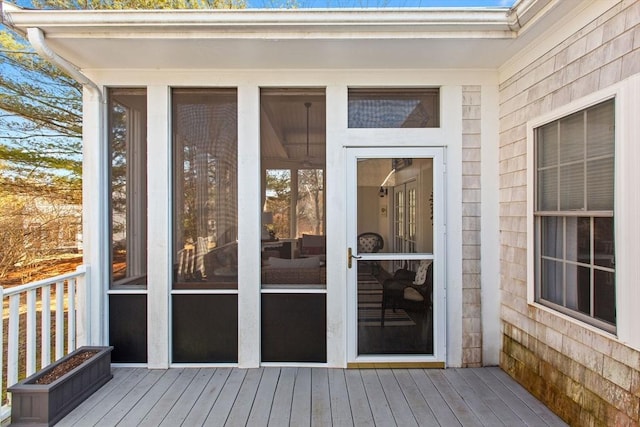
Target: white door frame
x,y
439,250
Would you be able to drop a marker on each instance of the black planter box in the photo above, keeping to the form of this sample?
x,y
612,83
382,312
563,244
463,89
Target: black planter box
x,y
45,404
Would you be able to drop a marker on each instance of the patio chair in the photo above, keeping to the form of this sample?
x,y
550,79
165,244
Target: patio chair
x,y
409,290
370,242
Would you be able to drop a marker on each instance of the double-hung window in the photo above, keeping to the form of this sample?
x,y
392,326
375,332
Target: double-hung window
x,y
574,215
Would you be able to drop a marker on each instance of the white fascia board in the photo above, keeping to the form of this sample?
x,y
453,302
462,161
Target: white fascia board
x,y
263,23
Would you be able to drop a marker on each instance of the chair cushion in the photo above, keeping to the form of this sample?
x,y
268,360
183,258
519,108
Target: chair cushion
x,y
311,262
412,294
421,274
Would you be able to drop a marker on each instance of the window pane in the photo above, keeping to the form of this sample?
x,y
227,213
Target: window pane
x,y
600,179
572,138
310,206
548,190
128,148
572,187
547,139
600,130
578,239
551,286
604,298
276,216
552,236
584,290
603,236
394,108
205,188
293,156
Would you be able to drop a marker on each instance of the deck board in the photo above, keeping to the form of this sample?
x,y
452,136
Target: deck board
x,y
306,396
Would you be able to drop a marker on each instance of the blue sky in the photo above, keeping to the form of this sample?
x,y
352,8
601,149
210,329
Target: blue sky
x,y
378,3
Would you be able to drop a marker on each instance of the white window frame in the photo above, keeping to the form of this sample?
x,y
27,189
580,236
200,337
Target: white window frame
x,y
626,205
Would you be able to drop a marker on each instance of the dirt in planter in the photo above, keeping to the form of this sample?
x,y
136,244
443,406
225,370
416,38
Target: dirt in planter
x,y
65,367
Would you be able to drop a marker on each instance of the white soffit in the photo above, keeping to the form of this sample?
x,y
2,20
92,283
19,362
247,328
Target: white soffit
x,y
286,39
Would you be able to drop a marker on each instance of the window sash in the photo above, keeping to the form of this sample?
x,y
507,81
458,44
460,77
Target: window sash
x,y
574,197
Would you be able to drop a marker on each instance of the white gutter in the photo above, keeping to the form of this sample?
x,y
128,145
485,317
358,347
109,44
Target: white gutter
x,y
39,44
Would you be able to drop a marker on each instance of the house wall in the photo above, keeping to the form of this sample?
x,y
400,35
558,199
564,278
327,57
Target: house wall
x,y
585,375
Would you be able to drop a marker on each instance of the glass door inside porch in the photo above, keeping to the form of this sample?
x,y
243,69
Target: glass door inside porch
x,y
394,256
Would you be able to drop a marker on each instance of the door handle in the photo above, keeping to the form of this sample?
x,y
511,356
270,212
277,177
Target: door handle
x,y
350,257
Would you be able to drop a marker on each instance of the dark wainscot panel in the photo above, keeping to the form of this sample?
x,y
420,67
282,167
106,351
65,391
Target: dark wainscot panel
x,y
294,328
205,328
128,328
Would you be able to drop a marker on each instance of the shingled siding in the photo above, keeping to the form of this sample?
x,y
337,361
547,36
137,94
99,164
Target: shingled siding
x,y
582,375
471,310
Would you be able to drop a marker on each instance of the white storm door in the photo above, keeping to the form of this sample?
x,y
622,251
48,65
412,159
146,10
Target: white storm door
x,y
395,228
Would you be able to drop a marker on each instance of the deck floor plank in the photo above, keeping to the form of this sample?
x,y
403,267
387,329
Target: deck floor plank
x,y
206,399
305,396
490,398
473,399
261,408
241,409
148,396
442,412
111,414
380,409
301,404
283,398
360,407
320,399
168,400
460,409
107,396
222,407
397,402
339,395
536,406
186,401
509,398
417,404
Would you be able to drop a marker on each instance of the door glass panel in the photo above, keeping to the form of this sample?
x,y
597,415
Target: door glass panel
x,y
395,293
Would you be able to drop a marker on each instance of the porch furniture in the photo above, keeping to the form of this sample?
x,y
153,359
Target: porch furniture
x,y
409,290
299,271
313,244
368,243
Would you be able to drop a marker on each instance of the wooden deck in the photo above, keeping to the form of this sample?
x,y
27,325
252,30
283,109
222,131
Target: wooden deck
x,y
311,397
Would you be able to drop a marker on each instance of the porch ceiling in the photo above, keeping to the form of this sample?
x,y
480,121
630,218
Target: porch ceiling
x,y
291,39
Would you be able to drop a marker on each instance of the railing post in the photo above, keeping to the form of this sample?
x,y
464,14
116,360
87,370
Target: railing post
x,y
82,315
45,347
59,320
14,341
31,331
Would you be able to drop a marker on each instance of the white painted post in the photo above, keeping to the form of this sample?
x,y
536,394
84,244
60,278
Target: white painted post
x,y
31,332
1,337
71,314
45,321
59,320
13,342
82,284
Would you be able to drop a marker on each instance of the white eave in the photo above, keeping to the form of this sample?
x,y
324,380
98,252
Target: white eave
x,y
287,38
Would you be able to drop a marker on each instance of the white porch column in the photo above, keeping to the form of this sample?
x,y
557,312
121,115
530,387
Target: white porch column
x,y
490,233
336,98
95,236
159,238
249,218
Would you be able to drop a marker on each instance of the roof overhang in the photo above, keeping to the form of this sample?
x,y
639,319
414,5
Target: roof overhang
x,y
290,39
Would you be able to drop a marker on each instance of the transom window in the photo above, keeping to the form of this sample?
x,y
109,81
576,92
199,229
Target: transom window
x,y
574,215
394,108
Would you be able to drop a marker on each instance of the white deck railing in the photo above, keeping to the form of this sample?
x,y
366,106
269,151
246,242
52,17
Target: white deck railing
x,y
26,328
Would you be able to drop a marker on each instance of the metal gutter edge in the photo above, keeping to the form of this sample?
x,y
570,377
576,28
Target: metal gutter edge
x,y
39,44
